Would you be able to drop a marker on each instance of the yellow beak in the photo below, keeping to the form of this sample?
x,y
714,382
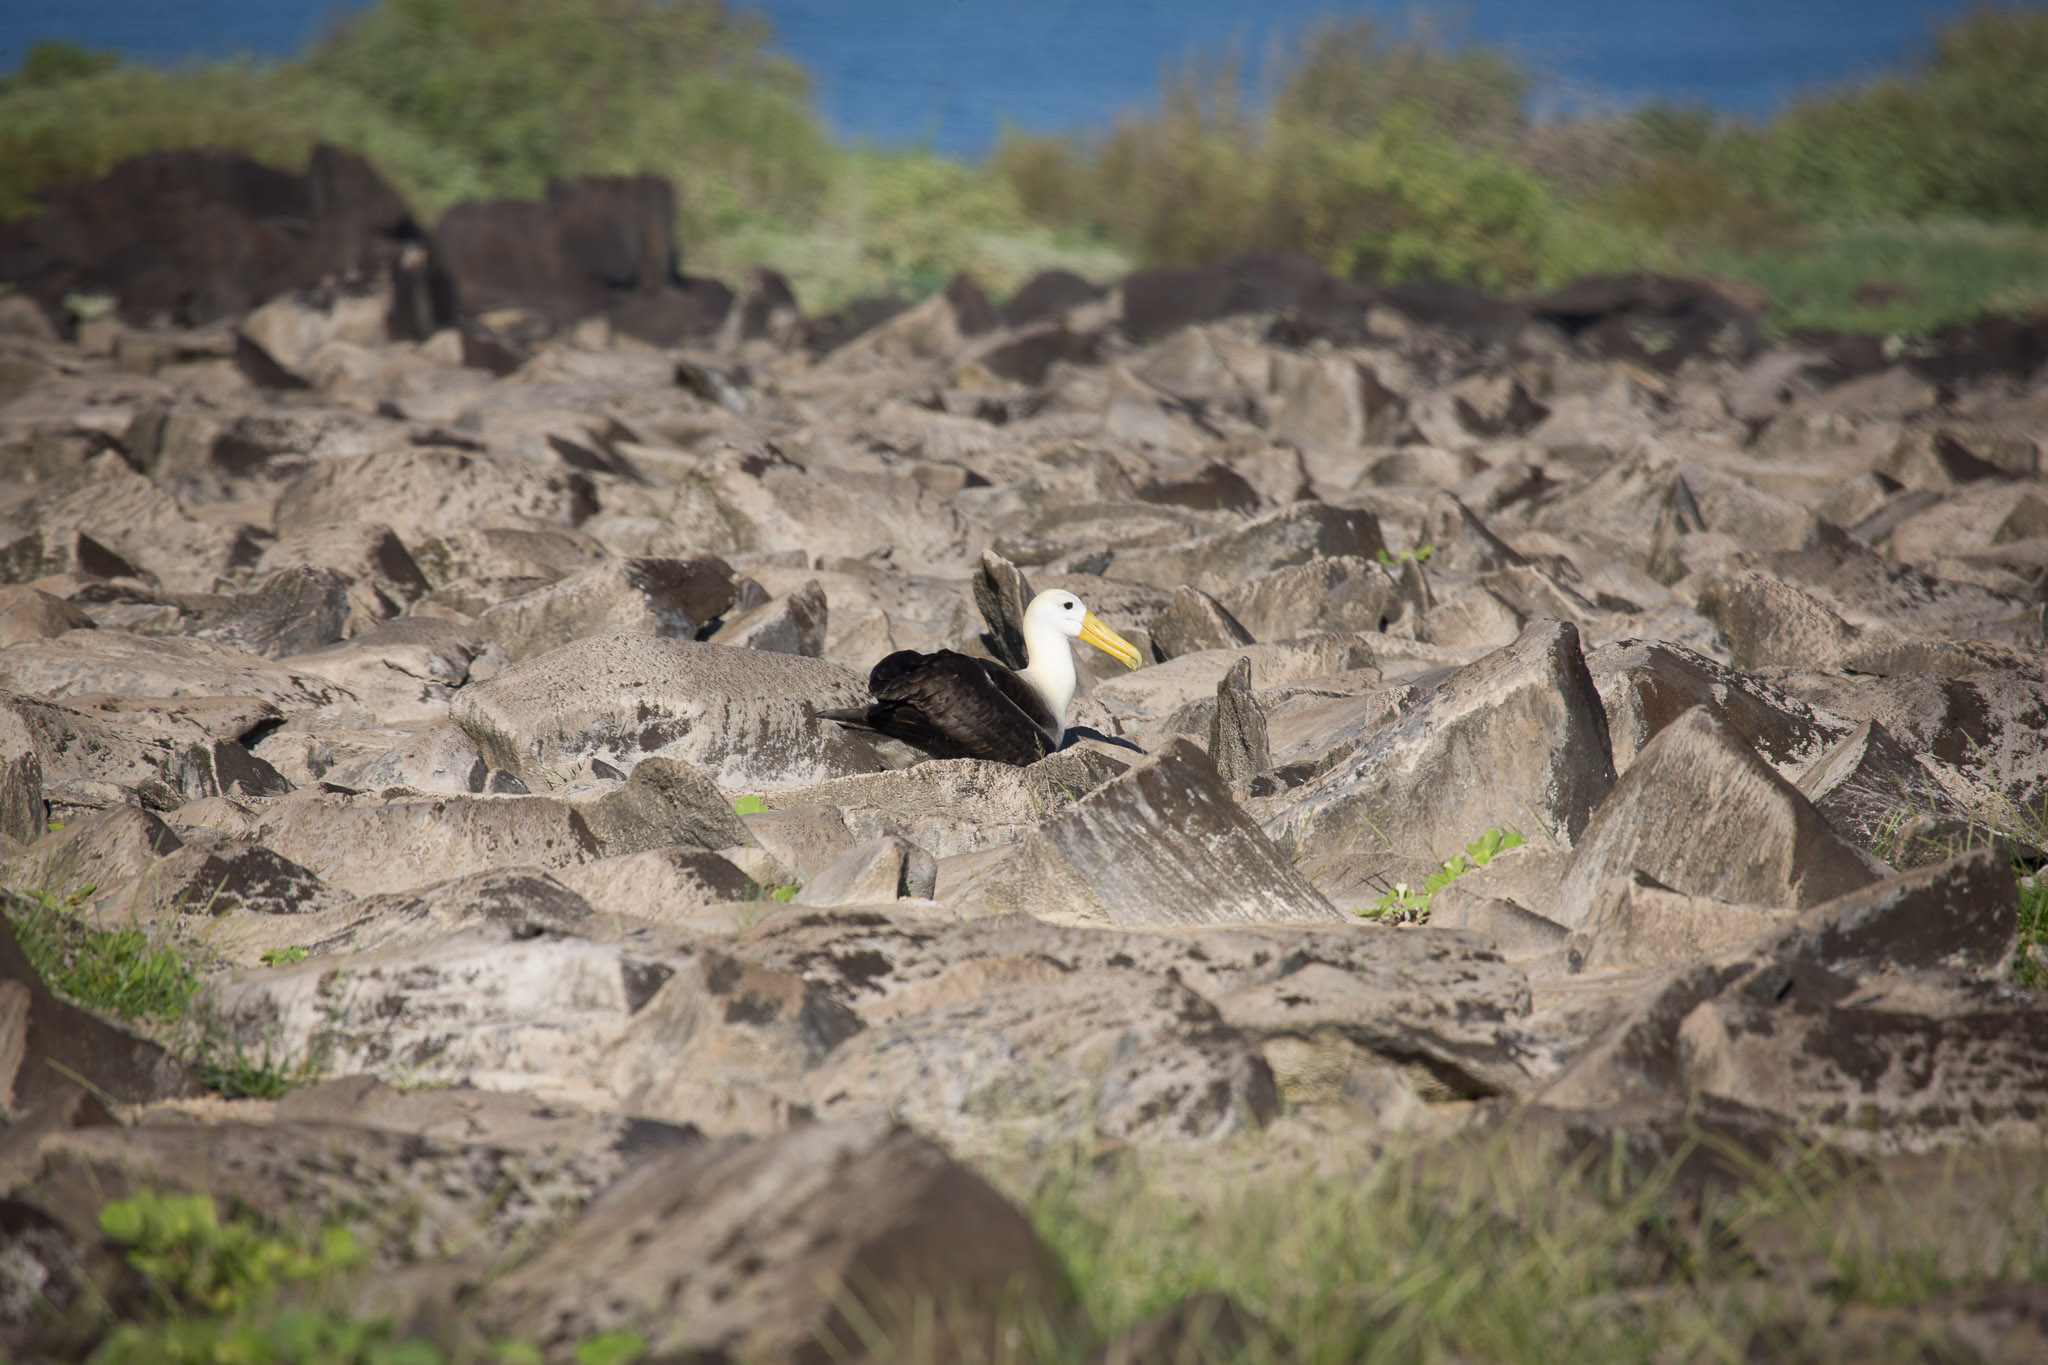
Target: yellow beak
x,y
1108,641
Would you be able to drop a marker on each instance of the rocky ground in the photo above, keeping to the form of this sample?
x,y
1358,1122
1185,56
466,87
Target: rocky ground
x,y
452,701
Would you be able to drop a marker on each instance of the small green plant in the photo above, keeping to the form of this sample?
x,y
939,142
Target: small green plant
x,y
283,957
1420,554
191,1261
122,972
611,1348
231,1068
2030,958
749,805
1409,905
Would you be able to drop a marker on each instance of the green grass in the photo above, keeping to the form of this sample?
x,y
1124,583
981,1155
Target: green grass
x,y
2030,960
1896,278
150,981
127,972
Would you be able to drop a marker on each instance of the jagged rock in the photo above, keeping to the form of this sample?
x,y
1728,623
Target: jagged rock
x,y
412,1008
1637,921
672,886
1287,535
81,662
1872,791
880,871
1495,405
1438,1003
383,578
675,598
664,802
1516,739
440,760
96,752
791,624
1158,691
422,491
223,876
1647,685
1337,595
1516,931
487,1181
405,670
744,716
721,1043
103,848
368,847
293,611
1195,621
22,813
45,1041
1767,622
946,806
1237,732
1991,726
119,523
29,614
1161,844
1054,1053
1701,813
749,1250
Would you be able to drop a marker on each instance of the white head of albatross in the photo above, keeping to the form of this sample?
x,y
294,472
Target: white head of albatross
x,y
1053,618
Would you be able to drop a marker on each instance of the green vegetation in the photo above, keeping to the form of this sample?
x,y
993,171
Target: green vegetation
x,y
148,980
1420,555
123,972
1408,905
1494,1253
2030,959
1893,206
749,805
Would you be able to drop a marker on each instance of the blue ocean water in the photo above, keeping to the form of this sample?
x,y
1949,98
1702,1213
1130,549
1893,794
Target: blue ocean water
x,y
950,72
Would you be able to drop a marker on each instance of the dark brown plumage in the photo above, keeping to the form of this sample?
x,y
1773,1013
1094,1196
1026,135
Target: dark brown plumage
x,y
953,705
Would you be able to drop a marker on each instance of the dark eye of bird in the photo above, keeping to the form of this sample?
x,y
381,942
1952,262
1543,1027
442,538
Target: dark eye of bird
x,y
1070,606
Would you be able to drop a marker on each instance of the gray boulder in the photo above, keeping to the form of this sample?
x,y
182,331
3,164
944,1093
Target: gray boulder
x,y
878,872
1703,815
1162,844
1645,685
675,598
1768,622
1335,595
1515,741
791,624
367,845
1237,731
291,612
758,1250
663,802
404,670
1874,792
746,717
1195,621
1288,535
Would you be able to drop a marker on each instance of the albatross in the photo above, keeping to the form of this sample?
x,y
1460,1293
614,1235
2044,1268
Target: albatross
x,y
954,705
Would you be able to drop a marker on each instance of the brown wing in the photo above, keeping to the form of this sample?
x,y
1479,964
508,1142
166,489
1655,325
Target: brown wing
x,y
956,706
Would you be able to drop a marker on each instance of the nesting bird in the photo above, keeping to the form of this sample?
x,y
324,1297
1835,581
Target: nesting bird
x,y
954,705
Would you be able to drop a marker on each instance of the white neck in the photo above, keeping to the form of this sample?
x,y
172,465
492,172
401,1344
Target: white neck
x,y
1049,668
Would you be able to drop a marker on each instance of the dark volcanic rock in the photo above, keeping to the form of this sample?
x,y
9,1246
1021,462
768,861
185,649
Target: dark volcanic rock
x,y
193,236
